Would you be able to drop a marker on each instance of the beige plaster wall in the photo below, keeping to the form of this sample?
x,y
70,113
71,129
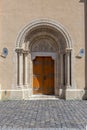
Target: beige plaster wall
x,y
15,14
86,45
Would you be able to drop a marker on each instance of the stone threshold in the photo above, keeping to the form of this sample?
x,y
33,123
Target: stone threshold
x,y
43,97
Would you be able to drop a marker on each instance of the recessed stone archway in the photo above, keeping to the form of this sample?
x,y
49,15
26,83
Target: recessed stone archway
x,y
44,38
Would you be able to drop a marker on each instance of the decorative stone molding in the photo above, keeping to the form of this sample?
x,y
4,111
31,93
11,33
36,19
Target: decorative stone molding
x,y
43,45
19,50
44,54
44,38
43,22
68,49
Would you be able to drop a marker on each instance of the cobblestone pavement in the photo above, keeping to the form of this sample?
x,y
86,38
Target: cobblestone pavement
x,y
52,114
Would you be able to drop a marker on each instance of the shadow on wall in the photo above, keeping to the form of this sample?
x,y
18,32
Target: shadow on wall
x,y
82,0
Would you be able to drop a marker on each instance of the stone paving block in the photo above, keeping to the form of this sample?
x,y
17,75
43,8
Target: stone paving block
x,y
43,113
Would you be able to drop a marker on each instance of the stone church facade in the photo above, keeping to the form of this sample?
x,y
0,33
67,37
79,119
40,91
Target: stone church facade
x,y
43,49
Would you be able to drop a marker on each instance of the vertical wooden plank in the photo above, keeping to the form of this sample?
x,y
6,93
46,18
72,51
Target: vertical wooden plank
x,y
49,75
37,76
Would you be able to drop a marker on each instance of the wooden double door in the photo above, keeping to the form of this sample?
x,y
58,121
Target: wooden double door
x,y
43,76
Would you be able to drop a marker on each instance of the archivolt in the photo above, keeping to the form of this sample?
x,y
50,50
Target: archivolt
x,y
44,27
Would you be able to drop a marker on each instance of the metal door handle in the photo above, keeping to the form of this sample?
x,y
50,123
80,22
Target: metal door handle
x,y
44,77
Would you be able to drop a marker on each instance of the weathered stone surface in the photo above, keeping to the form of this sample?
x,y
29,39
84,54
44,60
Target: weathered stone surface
x,y
56,114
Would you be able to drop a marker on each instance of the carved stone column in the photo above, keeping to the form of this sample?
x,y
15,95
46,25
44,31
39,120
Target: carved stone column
x,y
68,68
61,60
17,68
26,68
20,68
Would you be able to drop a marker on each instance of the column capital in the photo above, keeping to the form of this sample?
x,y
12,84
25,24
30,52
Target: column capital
x,y
19,50
68,50
26,52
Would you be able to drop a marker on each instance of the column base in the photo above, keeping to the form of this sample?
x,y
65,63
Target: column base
x,y
68,86
20,86
76,94
26,86
73,94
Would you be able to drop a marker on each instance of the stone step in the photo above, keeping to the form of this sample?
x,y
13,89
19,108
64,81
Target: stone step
x,y
43,97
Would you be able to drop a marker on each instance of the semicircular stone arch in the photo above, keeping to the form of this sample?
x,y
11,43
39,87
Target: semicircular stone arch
x,y
44,38
46,24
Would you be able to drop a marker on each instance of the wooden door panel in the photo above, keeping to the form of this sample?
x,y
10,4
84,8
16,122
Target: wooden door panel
x,y
43,75
46,72
49,73
37,76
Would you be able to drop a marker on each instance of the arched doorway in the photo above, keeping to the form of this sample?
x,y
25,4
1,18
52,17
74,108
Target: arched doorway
x,y
45,41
